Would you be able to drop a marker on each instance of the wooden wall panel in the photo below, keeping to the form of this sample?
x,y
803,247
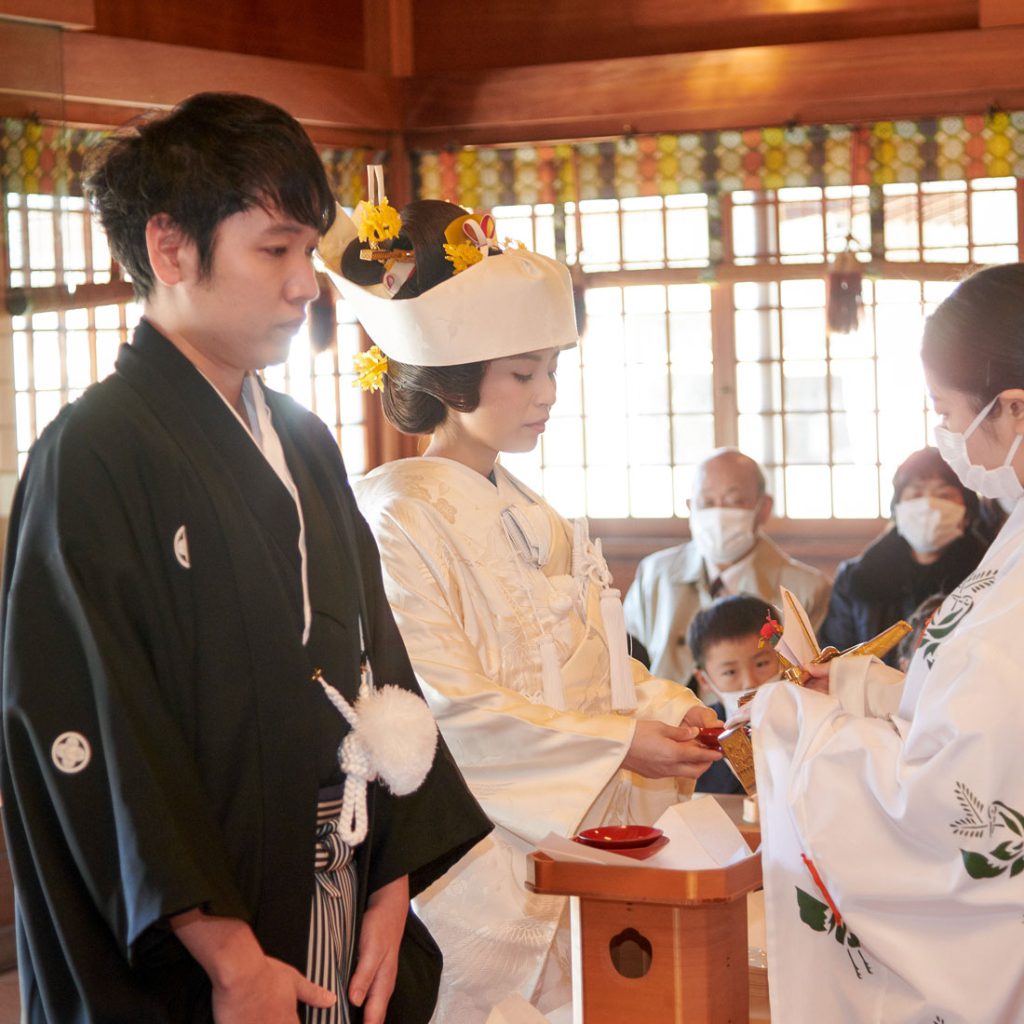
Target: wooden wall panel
x,y
73,14
301,30
809,83
1000,12
467,34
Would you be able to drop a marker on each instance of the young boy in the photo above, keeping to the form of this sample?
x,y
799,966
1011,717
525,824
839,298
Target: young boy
x,y
730,657
184,557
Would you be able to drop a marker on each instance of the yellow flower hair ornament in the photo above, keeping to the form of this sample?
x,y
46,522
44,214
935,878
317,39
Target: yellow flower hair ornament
x,y
377,222
370,368
462,256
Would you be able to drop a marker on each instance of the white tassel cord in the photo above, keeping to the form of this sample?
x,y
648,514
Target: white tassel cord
x,y
551,674
553,687
393,735
355,763
623,687
589,566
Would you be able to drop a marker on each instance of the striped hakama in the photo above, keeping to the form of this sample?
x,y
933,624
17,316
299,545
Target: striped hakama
x,y
332,915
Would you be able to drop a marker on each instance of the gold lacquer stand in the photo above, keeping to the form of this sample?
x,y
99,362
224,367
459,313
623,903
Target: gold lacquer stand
x,y
661,946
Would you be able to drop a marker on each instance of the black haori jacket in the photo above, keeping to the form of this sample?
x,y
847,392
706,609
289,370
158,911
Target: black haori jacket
x,y
163,743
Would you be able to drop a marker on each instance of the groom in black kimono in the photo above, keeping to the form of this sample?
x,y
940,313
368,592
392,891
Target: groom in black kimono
x,y
184,553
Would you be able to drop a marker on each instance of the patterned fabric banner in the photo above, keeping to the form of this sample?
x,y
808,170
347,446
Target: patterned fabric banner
x,y
346,171
43,158
949,148
47,159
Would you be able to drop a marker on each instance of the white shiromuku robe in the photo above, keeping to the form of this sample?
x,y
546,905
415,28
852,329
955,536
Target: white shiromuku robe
x,y
472,613
909,806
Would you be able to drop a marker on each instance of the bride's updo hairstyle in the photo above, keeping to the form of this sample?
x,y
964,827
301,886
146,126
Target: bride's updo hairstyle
x,y
416,399
974,341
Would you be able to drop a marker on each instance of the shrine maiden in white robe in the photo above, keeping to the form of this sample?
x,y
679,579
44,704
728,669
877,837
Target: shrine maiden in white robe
x,y
472,612
893,822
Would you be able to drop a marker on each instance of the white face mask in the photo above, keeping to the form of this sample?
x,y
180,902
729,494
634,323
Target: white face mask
x,y
998,484
722,535
730,699
928,524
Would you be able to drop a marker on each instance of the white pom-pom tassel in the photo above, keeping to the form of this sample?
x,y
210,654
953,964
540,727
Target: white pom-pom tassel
x,y
399,733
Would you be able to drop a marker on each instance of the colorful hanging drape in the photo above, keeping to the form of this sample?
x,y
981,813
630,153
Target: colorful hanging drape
x,y
38,158
948,148
44,159
346,171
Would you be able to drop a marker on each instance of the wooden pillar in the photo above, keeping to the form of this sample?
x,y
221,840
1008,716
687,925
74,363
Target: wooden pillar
x,y
388,50
8,480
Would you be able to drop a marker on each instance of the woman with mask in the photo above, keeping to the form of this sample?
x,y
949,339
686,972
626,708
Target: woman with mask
x,y
892,808
928,549
506,608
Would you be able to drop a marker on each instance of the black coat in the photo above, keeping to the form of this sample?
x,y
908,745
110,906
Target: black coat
x,y
884,584
186,674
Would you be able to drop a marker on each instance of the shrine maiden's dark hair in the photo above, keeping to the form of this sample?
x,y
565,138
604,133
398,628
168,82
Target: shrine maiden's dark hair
x,y
727,619
212,156
416,399
974,341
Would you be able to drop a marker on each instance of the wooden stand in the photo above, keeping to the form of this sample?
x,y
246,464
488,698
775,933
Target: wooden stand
x,y
665,947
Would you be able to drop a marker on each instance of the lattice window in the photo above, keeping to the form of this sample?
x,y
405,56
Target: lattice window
x,y
642,400
323,382
830,417
58,353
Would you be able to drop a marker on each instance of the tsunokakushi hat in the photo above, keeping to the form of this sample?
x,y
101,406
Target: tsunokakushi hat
x,y
499,302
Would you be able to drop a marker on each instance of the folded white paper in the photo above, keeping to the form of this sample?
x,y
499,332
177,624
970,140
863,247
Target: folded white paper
x,y
798,644
558,848
516,1010
701,836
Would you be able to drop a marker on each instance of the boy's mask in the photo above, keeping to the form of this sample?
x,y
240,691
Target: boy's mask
x,y
730,699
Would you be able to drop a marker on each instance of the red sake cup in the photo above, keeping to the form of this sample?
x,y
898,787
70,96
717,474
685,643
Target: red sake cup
x,y
708,736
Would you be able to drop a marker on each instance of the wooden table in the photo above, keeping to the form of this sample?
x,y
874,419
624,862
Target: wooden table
x,y
659,945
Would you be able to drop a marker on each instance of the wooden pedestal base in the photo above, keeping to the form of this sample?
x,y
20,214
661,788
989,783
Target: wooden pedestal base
x,y
664,947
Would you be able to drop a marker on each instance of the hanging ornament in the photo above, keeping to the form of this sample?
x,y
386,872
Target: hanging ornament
x,y
322,318
844,300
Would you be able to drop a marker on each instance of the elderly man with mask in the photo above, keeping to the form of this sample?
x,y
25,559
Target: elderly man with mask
x,y
727,555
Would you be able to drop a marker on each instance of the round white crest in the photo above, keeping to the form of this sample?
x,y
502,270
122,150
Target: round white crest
x,y
181,548
71,752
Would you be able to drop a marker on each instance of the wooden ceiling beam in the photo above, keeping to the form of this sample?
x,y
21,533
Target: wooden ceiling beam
x,y
92,75
806,83
476,36
70,14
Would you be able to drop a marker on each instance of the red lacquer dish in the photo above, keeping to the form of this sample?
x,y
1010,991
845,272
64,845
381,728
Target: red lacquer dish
x,y
619,837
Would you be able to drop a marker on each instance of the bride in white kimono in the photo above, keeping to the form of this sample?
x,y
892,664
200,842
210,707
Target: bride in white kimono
x,y
893,811
505,607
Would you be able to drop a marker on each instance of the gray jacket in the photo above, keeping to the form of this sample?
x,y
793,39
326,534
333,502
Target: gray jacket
x,y
671,586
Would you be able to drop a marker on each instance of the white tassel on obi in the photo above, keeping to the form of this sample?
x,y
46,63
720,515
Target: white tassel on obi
x,y
551,674
393,736
589,566
623,687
